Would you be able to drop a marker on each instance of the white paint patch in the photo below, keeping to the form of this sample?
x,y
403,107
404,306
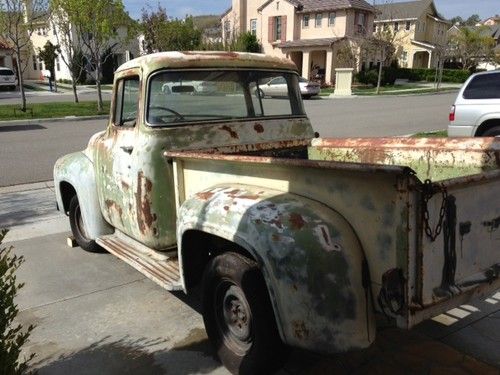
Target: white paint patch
x,y
322,233
445,319
470,308
458,313
491,301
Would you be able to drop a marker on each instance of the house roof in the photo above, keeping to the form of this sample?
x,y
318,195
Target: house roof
x,y
321,42
308,6
405,10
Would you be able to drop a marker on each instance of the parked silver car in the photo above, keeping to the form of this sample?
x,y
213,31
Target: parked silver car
x,y
476,112
278,87
8,78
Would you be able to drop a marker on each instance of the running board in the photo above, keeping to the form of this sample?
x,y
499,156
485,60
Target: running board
x,y
160,268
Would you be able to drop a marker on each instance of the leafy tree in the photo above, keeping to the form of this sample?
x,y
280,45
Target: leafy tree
x,y
472,20
162,33
78,72
12,336
457,20
471,45
247,42
96,26
49,54
17,19
381,45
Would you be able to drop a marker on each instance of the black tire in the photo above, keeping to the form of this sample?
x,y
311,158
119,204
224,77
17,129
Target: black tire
x,y
238,316
492,132
78,228
306,97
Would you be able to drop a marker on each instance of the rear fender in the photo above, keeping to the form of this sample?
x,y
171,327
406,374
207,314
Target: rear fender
x,y
309,255
78,171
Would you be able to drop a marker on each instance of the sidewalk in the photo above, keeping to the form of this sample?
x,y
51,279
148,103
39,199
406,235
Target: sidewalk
x,y
86,308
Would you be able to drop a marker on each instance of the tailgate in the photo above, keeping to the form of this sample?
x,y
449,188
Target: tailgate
x,y
464,259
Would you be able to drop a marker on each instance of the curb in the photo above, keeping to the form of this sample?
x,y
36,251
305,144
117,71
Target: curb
x,y
56,119
354,96
27,187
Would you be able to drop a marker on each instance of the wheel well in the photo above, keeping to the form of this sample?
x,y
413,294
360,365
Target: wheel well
x,y
67,192
198,248
487,125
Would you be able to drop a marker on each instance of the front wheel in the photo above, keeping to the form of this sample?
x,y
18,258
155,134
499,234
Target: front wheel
x,y
79,230
238,316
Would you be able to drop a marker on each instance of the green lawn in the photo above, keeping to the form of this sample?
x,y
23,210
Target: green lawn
x,y
436,134
390,90
51,110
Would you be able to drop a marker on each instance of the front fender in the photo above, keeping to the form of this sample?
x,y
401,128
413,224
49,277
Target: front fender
x,y
78,171
310,256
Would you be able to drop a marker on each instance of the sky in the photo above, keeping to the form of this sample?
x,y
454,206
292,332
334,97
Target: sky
x,y
179,8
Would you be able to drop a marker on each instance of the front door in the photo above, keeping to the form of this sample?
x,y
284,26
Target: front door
x,y
116,156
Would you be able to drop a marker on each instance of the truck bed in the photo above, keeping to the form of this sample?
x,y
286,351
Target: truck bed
x,y
377,185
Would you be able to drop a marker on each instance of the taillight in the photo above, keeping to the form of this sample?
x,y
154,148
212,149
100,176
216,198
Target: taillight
x,y
452,114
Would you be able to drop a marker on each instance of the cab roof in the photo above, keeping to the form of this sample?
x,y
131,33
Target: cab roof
x,y
206,59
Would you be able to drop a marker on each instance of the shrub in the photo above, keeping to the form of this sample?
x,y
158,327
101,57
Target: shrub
x,y
449,75
12,336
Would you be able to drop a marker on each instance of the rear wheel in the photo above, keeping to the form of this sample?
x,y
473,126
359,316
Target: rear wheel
x,y
492,132
238,316
79,230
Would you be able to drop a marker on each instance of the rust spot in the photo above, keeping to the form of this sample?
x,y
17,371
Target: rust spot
x,y
299,329
226,208
294,286
233,192
231,132
145,217
125,185
113,206
259,128
296,221
276,237
258,221
205,195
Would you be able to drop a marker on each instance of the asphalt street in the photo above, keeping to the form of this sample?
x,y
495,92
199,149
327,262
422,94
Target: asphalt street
x,y
14,97
28,152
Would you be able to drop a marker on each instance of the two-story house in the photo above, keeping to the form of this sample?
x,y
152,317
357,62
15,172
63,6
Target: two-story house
x,y
309,32
419,31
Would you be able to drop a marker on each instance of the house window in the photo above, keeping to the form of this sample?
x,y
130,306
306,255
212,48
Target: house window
x,y
331,19
408,25
360,21
417,26
396,26
277,22
253,26
317,20
58,65
34,63
305,20
423,27
40,64
404,56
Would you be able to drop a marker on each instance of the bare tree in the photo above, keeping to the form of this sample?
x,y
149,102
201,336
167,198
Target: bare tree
x,y
17,23
97,23
69,43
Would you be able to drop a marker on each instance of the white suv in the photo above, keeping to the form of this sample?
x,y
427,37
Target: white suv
x,y
476,112
8,78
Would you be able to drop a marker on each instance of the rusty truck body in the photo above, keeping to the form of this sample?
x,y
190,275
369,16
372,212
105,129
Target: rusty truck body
x,y
295,239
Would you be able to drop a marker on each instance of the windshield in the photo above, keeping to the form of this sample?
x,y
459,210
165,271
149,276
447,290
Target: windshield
x,y
185,96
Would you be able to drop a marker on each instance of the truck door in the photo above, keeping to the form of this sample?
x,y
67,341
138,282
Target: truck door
x,y
115,159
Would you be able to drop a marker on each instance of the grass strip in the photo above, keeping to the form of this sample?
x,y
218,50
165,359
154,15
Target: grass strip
x,y
51,110
434,134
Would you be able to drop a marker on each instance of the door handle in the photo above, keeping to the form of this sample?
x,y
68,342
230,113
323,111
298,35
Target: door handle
x,y
127,149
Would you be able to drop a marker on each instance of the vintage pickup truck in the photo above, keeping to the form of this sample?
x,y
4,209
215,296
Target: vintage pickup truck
x,y
295,240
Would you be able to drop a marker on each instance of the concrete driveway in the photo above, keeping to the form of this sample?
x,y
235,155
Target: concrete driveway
x,y
96,315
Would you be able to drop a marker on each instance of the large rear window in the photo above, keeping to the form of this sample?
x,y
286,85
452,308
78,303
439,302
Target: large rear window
x,y
178,97
484,86
6,72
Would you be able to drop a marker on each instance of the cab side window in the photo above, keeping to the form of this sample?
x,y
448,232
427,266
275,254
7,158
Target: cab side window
x,y
126,102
